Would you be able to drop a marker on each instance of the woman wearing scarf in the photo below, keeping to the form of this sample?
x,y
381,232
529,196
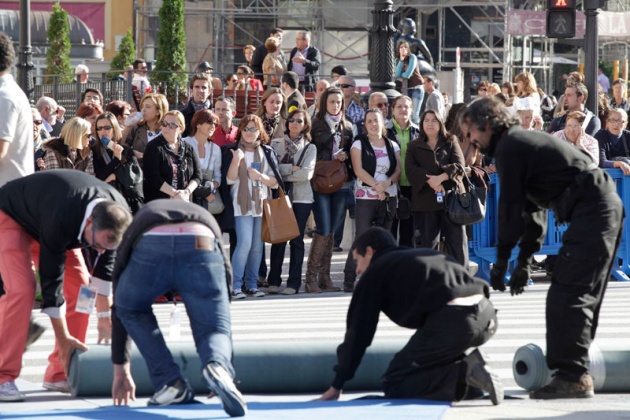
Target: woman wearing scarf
x,y
273,112
251,170
614,142
574,133
332,135
297,164
171,168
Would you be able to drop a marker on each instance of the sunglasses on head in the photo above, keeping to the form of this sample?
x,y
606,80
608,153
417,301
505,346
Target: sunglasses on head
x,y
171,125
250,130
296,120
104,127
345,86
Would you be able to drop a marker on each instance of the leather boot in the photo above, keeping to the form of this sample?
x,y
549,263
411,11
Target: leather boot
x,y
325,283
311,284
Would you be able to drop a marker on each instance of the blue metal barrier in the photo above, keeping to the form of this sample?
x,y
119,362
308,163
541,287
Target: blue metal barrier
x,y
485,234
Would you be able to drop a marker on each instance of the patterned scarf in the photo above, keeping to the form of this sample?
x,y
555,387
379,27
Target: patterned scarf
x,y
244,196
290,148
178,161
270,124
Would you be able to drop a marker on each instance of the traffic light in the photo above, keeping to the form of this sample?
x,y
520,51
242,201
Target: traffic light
x,y
561,18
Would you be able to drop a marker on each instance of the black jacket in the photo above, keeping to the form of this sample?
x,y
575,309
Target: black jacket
x,y
429,280
50,206
189,111
313,61
157,213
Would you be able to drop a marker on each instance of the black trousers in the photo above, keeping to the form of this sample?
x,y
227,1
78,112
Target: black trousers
x,y
403,230
580,276
435,224
430,365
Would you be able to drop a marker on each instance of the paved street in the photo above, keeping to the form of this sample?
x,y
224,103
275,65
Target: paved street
x,y
322,317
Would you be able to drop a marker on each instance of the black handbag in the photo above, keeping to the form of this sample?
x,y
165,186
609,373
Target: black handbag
x,y
466,207
403,209
383,214
129,181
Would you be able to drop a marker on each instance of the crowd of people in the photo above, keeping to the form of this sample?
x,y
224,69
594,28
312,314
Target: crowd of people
x,y
405,154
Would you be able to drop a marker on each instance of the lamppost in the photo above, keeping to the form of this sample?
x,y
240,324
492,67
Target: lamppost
x,y
25,64
382,50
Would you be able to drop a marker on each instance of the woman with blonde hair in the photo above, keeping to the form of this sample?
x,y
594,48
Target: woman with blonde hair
x,y
64,152
273,112
272,66
527,92
153,107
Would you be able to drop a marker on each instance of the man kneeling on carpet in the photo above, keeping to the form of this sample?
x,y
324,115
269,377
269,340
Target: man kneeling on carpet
x,y
173,245
428,291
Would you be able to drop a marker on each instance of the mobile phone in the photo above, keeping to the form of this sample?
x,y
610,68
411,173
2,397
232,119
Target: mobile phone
x,y
255,165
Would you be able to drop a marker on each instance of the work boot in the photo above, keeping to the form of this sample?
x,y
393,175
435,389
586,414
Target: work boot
x,y
312,265
560,388
478,375
325,282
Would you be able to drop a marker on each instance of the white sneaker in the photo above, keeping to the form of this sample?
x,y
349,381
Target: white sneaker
x,y
9,392
238,294
220,382
60,386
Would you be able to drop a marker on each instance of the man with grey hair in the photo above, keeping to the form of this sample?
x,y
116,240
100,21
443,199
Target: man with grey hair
x,y
305,61
83,71
47,107
320,88
379,100
354,111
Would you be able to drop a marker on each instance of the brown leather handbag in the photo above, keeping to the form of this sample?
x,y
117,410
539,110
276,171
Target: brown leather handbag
x,y
329,176
278,220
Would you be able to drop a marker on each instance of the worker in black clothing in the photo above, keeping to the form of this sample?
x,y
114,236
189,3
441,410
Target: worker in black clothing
x,y
425,290
537,172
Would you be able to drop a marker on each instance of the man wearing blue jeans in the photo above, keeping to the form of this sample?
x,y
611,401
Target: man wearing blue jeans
x,y
174,245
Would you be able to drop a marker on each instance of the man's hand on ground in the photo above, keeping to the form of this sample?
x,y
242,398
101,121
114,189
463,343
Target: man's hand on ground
x,y
331,394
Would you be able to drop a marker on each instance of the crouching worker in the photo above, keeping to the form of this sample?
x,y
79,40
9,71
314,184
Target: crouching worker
x,y
173,245
428,291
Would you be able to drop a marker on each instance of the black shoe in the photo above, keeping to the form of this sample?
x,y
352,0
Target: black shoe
x,y
175,392
220,382
35,330
478,375
559,388
337,249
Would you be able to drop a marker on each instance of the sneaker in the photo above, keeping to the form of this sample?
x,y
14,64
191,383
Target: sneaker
x,y
220,382
337,249
35,330
559,388
273,290
238,294
9,392
175,392
478,375
288,291
59,386
254,293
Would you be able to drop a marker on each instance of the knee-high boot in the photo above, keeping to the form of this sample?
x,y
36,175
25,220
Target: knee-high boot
x,y
318,244
325,282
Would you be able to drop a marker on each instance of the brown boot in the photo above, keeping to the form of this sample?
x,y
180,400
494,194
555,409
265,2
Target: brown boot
x,y
312,265
325,282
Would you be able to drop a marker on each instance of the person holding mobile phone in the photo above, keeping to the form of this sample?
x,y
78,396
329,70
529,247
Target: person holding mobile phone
x,y
251,170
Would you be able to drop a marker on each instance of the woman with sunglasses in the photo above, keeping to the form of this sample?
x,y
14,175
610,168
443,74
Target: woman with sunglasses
x,y
64,152
297,164
250,169
171,168
106,148
247,81
203,124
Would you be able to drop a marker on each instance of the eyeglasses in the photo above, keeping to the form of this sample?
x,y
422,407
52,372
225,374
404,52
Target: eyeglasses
x,y
345,86
382,105
573,127
171,125
87,135
92,98
482,90
295,120
104,127
212,123
616,121
233,80
249,130
39,122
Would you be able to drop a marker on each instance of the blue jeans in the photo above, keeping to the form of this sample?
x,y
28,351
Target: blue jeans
x,y
416,103
248,252
329,210
302,211
161,263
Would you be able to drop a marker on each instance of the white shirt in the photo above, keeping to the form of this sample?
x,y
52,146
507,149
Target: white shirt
x,y
249,158
363,192
211,162
16,127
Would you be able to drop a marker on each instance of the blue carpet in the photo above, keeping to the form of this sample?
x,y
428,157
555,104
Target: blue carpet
x,y
312,410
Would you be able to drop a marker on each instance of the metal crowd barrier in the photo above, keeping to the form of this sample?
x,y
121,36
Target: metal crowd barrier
x,y
482,249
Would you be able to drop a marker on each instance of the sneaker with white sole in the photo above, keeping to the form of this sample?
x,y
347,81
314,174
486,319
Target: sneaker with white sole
x,y
59,386
238,294
10,393
220,382
175,392
254,293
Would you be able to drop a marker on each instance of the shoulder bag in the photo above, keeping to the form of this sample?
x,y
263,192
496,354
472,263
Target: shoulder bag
x,y
217,205
279,224
466,207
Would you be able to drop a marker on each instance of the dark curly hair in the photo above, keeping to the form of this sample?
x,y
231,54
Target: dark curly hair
x,y
489,110
7,53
